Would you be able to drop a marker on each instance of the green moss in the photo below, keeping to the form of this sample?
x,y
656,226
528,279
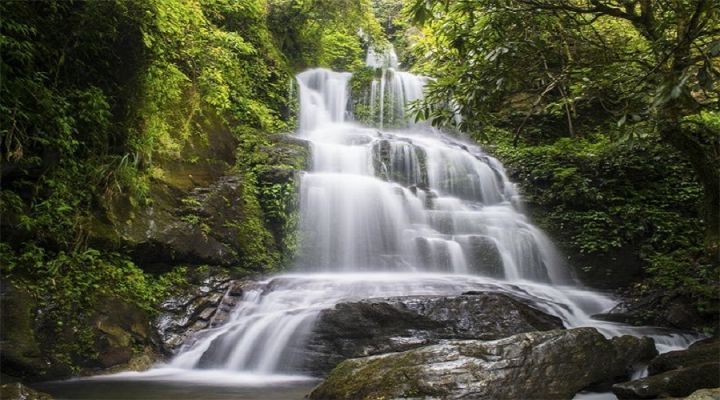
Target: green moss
x,y
393,376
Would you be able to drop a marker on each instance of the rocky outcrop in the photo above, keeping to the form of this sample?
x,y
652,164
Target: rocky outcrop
x,y
705,394
286,156
121,336
203,306
655,310
707,350
20,353
377,326
207,215
204,228
121,329
677,373
540,365
676,383
18,391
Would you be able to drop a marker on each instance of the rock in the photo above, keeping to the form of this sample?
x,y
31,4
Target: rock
x,y
118,329
211,221
377,326
121,329
677,373
400,161
539,365
705,394
698,353
674,383
657,310
18,391
20,353
200,306
630,349
484,257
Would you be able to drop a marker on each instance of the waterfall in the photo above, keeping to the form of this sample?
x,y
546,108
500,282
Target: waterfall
x,y
408,211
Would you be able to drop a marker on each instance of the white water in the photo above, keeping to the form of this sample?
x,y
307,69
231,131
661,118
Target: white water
x,y
406,212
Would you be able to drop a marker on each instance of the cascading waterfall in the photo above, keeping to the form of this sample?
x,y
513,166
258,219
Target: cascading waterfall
x,y
392,91
389,213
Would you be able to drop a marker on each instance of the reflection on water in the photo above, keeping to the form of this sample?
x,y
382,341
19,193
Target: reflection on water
x,y
166,384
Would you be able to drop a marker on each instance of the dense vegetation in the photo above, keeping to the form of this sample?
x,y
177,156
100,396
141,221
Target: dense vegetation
x,y
607,114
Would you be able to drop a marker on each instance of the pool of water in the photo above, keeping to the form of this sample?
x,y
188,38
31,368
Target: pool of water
x,y
167,384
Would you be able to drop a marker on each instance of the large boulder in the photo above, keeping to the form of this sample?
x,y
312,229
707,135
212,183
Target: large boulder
x,y
540,365
197,230
357,329
656,310
677,373
700,352
675,383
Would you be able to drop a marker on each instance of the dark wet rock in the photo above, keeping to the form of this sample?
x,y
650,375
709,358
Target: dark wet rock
x,y
203,221
698,353
20,352
674,383
435,258
122,328
18,391
657,310
357,329
484,257
677,373
705,394
30,342
630,349
406,166
539,365
199,307
286,156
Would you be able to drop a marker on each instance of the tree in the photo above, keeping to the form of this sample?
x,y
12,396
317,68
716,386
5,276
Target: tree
x,y
641,61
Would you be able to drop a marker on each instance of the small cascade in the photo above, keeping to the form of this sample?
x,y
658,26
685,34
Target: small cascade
x,y
392,91
323,97
409,211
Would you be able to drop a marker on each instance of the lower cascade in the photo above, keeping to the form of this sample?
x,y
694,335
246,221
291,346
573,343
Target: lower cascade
x,y
392,220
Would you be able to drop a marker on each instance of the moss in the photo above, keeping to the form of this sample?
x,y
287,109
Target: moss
x,y
384,377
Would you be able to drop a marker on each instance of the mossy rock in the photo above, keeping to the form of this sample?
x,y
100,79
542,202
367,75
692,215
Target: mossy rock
x,y
20,351
546,365
18,391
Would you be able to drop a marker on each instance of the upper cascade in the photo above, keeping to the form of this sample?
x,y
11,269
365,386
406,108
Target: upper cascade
x,y
392,91
323,97
386,59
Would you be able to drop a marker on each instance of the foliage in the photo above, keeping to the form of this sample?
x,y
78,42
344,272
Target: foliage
x,y
636,61
324,33
597,196
69,287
